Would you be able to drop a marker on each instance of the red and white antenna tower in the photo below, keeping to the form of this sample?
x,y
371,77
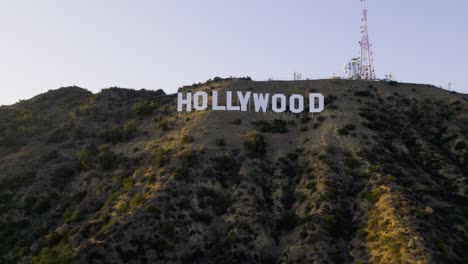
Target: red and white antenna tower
x,y
367,60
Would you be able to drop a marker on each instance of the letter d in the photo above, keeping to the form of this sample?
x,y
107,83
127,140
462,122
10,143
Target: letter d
x,y
321,103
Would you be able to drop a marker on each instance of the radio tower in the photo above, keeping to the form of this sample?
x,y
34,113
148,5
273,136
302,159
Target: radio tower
x,y
367,60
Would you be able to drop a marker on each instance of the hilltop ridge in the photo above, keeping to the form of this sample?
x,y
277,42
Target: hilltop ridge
x,y
120,176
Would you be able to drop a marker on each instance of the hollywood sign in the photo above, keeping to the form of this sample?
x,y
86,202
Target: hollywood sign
x,y
279,103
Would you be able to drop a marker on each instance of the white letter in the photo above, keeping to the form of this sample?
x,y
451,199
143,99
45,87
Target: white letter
x,y
261,101
229,102
196,101
244,100
292,103
215,102
274,103
181,102
321,103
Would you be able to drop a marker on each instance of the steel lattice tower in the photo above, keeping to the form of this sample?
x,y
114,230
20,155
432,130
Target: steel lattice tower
x,y
367,60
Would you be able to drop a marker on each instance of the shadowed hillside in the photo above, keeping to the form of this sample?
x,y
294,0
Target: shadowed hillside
x,y
380,176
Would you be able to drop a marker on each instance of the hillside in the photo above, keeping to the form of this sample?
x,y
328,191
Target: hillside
x,y
380,176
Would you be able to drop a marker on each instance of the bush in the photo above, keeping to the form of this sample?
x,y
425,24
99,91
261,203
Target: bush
x,y
351,162
42,205
363,94
236,121
373,196
255,142
305,119
288,222
187,157
343,131
77,216
129,130
112,135
144,108
300,197
330,222
220,142
163,125
113,197
60,254
84,156
167,230
277,126
118,134
311,185
139,199
128,183
186,139
162,156
460,145
105,157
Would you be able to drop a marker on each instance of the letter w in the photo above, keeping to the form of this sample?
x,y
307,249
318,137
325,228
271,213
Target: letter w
x,y
261,102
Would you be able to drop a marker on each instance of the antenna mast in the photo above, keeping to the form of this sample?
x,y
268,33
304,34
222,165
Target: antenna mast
x,y
367,60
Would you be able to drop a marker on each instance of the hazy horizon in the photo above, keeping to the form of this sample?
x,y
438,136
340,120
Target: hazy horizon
x,y
167,44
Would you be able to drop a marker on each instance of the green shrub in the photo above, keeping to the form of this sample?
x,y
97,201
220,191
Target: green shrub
x,y
109,224
113,197
52,239
288,222
311,186
60,254
113,135
167,230
363,94
162,156
343,131
351,162
42,205
128,183
129,130
76,216
277,126
373,196
139,199
255,142
236,121
105,157
220,142
163,125
305,119
330,222
186,139
144,108
179,174
84,156
150,179
300,197
460,145
118,134
424,212
389,178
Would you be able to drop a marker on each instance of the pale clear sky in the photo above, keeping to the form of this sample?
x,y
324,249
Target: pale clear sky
x,y
166,44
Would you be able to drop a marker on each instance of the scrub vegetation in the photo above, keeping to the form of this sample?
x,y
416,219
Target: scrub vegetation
x,y
121,177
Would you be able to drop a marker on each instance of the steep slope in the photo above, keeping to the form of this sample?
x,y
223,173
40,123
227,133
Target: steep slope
x,y
120,177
